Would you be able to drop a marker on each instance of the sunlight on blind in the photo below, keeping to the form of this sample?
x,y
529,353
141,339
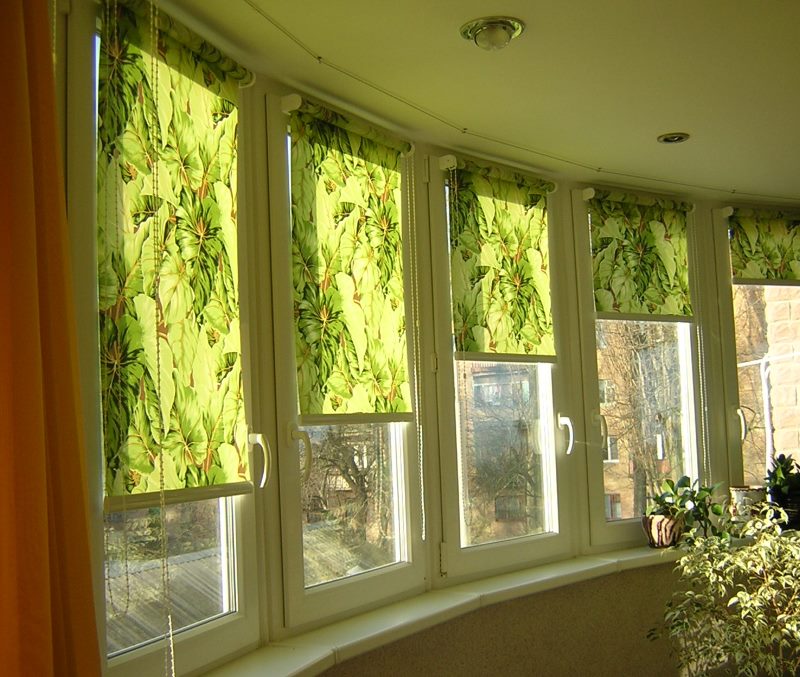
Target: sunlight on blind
x,y
169,309
499,264
347,266
640,255
765,245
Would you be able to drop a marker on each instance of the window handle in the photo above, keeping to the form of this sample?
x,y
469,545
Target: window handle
x,y
258,439
742,423
566,422
603,430
302,436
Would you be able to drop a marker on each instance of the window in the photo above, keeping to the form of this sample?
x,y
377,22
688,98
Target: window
x,y
175,438
651,365
347,502
612,449
352,522
502,488
607,392
502,456
613,507
199,543
643,333
766,300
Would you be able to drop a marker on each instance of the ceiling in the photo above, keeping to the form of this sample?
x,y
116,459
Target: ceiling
x,y
582,94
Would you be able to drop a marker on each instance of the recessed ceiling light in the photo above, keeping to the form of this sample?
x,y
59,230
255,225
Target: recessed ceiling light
x,y
492,32
673,137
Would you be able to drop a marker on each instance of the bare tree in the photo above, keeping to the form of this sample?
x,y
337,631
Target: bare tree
x,y
642,361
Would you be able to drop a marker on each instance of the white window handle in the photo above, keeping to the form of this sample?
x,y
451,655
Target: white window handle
x,y
742,422
566,422
257,439
301,435
603,430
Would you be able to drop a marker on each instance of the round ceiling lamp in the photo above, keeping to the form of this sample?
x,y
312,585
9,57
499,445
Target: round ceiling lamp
x,y
492,32
673,137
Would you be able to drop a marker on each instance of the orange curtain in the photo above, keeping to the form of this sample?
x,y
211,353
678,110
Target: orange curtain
x,y
47,621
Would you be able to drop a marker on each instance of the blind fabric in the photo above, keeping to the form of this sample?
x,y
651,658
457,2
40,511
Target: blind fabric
x,y
639,254
359,128
765,245
499,263
665,203
535,184
347,267
228,73
171,365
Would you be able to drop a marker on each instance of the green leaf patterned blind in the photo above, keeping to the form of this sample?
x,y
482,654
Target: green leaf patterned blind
x,y
171,367
639,254
499,262
765,245
347,266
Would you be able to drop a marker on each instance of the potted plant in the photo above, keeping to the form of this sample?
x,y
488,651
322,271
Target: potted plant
x,y
736,609
783,484
681,507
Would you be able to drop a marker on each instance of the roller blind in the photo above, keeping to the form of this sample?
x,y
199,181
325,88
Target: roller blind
x,y
765,245
639,254
347,266
499,263
171,367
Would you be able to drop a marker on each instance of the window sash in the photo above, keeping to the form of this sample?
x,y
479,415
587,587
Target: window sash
x,y
306,607
624,532
463,563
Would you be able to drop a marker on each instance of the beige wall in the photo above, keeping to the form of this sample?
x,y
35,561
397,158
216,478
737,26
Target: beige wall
x,y
593,628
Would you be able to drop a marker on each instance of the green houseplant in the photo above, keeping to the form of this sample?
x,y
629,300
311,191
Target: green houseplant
x,y
783,484
736,609
681,507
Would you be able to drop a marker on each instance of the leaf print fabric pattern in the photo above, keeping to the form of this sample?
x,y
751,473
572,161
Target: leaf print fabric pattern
x,y
170,350
640,255
765,245
347,267
499,263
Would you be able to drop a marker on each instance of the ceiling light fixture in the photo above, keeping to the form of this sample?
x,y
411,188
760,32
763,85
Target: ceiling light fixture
x,y
673,137
492,32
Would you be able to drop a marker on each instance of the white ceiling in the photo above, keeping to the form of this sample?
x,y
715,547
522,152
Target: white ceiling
x,y
582,94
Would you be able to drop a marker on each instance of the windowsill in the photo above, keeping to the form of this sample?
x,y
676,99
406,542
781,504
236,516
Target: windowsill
x,y
318,650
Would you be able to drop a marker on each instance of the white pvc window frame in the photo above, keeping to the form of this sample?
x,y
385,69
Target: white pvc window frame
x,y
229,633
307,607
603,533
456,562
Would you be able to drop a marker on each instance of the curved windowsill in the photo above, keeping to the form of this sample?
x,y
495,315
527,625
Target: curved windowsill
x,y
318,650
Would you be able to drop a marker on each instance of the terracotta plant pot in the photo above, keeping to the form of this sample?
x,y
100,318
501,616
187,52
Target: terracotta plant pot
x,y
662,530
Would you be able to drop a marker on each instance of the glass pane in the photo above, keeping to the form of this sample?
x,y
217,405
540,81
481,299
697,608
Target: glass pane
x,y
351,499
649,421
200,565
505,450
767,328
